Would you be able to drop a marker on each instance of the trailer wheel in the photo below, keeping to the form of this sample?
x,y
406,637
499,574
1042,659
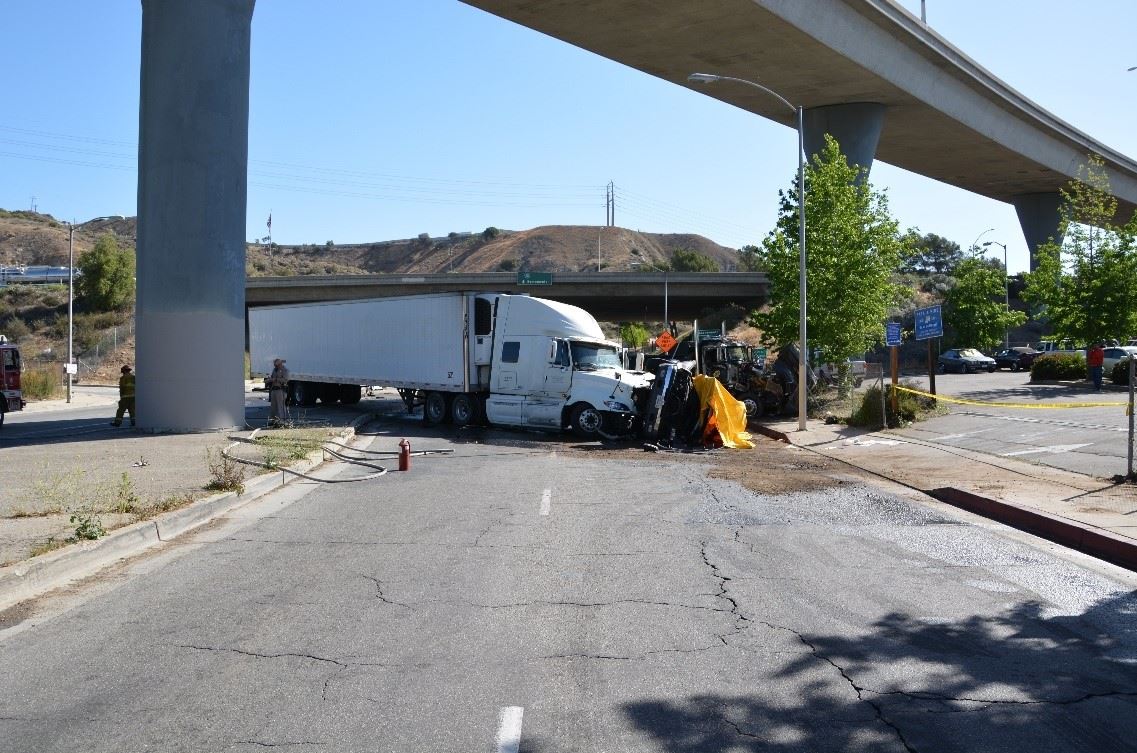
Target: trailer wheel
x,y
350,394
434,409
463,410
585,421
303,393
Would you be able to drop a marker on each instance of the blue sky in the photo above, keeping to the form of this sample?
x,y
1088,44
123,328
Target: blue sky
x,y
385,119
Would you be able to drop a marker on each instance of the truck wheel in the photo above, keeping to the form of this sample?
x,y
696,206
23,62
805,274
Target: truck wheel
x,y
586,421
753,405
350,394
434,409
463,410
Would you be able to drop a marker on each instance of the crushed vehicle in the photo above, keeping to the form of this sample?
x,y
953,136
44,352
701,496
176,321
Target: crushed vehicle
x,y
465,358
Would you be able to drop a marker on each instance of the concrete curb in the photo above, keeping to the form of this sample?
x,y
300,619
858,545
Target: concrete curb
x,y
1081,537
31,578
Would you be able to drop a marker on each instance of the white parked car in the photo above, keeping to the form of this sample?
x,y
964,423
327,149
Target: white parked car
x,y
1115,354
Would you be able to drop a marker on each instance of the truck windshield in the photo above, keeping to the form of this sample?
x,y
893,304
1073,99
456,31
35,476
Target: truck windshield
x,y
591,356
737,353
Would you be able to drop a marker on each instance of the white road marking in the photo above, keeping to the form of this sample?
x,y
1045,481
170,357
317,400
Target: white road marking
x,y
1056,449
546,499
870,442
509,729
960,435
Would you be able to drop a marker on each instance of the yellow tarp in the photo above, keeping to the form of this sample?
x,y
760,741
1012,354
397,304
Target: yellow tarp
x,y
728,414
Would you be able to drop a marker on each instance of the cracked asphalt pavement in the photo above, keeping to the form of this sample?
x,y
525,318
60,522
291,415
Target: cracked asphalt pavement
x,y
737,601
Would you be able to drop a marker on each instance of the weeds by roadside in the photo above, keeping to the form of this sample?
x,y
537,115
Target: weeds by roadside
x,y
226,474
290,445
40,383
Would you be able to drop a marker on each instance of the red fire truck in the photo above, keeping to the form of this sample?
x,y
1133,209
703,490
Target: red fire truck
x,y
13,398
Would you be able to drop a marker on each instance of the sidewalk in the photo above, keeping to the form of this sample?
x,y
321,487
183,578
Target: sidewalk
x,y
1088,514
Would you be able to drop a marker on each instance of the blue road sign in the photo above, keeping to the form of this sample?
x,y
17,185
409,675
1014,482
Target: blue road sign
x,y
929,323
892,333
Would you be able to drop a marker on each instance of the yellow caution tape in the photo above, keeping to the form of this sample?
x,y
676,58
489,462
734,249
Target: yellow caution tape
x,y
1029,406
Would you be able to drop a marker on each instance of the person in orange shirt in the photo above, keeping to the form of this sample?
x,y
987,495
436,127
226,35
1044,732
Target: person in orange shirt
x,y
1095,359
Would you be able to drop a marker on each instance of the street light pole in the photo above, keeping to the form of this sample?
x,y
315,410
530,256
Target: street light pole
x,y
1006,289
803,352
666,318
71,304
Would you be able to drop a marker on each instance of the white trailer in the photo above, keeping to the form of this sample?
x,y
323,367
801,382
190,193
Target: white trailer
x,y
512,360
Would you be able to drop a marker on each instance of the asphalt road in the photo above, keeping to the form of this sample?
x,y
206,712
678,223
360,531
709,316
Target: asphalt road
x,y
524,594
1088,440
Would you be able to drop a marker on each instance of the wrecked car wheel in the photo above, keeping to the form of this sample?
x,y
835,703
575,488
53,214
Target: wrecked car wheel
x,y
753,406
586,421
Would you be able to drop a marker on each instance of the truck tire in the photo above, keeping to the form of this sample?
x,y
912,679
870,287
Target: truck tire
x,y
463,410
586,421
753,404
303,393
435,409
350,394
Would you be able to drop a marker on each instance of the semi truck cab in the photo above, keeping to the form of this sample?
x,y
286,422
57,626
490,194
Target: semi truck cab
x,y
12,396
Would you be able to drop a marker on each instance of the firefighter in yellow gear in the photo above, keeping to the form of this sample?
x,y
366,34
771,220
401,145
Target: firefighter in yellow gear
x,y
125,397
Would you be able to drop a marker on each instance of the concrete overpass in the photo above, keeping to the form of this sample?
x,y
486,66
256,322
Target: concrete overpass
x,y
867,71
864,70
607,296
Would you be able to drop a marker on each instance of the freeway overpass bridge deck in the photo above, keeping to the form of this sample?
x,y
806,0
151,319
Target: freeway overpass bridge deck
x,y
613,296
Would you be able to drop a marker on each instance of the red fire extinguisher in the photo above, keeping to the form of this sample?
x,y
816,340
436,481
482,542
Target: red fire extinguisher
x,y
404,455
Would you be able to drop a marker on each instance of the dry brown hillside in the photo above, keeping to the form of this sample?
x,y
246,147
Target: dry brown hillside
x,y
31,239
551,248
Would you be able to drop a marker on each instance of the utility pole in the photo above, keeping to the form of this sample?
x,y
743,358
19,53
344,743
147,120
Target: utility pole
x,y
71,307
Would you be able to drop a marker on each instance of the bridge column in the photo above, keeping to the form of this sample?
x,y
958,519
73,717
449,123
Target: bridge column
x,y
1039,218
192,164
856,126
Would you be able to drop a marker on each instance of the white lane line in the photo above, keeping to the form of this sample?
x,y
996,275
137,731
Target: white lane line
x,y
509,729
546,500
1057,449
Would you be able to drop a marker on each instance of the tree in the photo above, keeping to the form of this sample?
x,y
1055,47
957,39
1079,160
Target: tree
x,y
490,233
106,279
634,334
1088,283
748,257
688,260
932,253
975,308
853,248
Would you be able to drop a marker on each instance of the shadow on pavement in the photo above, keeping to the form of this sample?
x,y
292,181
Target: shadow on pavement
x,y
1019,681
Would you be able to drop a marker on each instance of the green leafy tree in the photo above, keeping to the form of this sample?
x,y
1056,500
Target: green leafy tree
x,y
853,248
932,254
634,334
688,260
975,308
748,258
1087,285
106,282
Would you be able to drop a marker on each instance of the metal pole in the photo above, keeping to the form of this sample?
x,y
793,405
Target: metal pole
x,y
71,304
666,318
804,354
1129,467
1007,294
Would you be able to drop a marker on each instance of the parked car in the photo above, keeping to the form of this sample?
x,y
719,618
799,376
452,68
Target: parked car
x,y
1016,359
827,372
1113,355
965,360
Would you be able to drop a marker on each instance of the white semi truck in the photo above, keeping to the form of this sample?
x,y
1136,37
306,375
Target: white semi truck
x,y
509,360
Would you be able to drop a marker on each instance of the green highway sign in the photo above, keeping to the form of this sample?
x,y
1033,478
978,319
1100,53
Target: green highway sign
x,y
534,278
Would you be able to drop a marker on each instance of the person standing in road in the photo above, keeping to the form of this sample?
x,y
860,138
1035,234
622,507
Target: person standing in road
x,y
1095,358
277,391
125,397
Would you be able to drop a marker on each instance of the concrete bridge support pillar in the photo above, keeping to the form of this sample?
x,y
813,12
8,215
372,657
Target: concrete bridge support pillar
x,y
1039,219
192,165
856,126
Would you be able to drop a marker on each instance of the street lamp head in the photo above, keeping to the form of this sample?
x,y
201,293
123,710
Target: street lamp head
x,y
703,78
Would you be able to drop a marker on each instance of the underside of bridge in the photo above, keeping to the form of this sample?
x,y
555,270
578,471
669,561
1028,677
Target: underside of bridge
x,y
944,116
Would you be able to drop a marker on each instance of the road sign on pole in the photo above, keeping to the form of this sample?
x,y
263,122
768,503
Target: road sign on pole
x,y
534,278
892,333
929,323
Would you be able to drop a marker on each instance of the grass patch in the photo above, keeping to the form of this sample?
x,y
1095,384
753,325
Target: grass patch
x,y
175,502
290,445
41,383
47,545
909,407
